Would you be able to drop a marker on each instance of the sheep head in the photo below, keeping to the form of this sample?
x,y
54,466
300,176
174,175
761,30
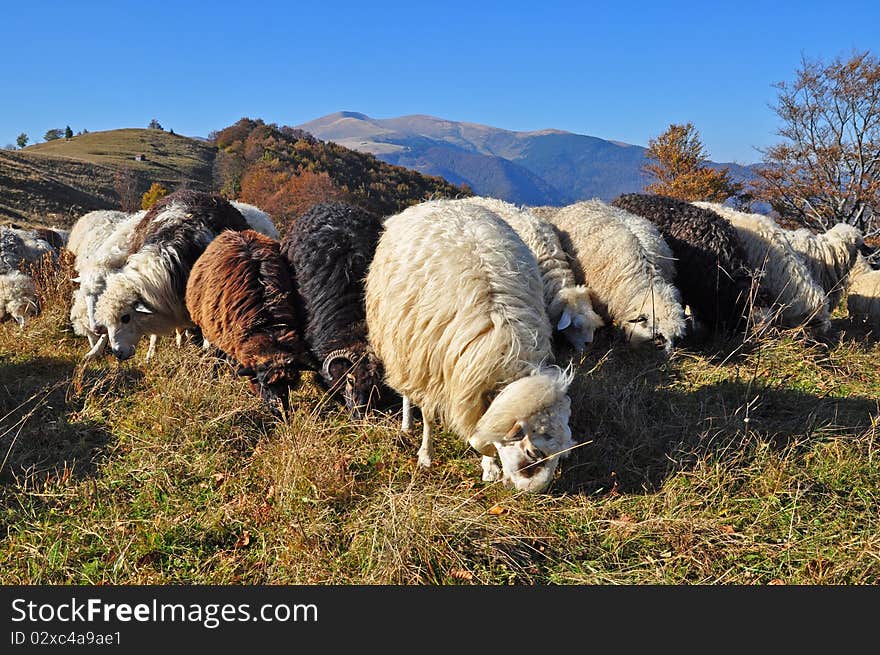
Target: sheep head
x,y
526,425
357,372
578,321
124,317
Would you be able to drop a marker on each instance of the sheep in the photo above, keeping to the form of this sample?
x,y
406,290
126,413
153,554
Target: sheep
x,y
102,255
711,270
18,297
829,256
19,250
629,267
329,249
863,294
92,228
569,306
240,293
257,219
455,311
796,299
146,296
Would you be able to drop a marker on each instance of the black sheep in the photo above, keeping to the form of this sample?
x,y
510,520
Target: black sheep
x,y
711,269
329,249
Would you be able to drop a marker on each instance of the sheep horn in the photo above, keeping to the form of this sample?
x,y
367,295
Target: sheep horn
x,y
341,353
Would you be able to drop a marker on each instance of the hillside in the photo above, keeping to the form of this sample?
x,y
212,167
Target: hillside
x,y
59,180
269,165
542,167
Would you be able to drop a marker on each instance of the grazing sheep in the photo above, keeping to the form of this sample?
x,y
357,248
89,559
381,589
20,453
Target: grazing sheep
x,y
19,249
796,299
240,293
829,256
257,219
329,249
568,304
629,268
98,259
455,311
146,296
711,269
92,228
18,297
863,294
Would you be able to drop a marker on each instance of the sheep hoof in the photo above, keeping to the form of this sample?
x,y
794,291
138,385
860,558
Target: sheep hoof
x,y
424,459
491,470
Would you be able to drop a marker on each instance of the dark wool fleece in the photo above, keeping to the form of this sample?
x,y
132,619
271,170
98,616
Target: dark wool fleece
x,y
711,269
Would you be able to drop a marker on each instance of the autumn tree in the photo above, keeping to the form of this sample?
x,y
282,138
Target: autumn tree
x,y
285,196
677,163
125,184
155,193
827,168
21,140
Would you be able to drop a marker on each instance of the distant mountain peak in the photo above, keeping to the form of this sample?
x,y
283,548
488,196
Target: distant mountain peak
x,y
541,167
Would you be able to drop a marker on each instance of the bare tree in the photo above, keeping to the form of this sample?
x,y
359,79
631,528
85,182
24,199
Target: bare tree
x,y
827,169
126,186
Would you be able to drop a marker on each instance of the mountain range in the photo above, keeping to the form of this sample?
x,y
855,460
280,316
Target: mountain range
x,y
545,167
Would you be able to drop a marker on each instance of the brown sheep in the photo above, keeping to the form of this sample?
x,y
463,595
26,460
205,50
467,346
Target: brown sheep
x,y
241,294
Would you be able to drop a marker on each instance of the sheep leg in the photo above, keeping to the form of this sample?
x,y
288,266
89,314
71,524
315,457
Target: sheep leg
x,y
151,351
97,349
491,470
178,338
427,449
92,340
406,424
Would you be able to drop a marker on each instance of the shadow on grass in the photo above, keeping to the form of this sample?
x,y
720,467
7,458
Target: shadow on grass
x,y
41,434
640,428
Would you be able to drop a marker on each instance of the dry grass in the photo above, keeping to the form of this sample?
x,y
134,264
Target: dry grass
x,y
733,463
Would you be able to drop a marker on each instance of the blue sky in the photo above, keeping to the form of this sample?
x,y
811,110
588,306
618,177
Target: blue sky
x,y
616,70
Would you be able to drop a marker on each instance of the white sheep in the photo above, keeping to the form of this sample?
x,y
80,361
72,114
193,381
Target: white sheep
x,y
629,268
18,297
455,311
19,248
568,304
796,299
863,294
829,256
102,254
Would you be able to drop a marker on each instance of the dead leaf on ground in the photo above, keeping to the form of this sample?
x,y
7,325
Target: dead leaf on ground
x,y
728,529
777,581
497,510
461,574
244,540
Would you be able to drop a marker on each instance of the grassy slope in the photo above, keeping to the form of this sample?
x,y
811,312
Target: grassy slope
x,y
173,473
63,177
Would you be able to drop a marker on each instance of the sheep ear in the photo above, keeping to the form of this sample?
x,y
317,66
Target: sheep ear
x,y
564,320
76,280
244,370
517,432
142,308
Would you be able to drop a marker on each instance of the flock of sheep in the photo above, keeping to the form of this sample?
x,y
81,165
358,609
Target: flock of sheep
x,y
461,307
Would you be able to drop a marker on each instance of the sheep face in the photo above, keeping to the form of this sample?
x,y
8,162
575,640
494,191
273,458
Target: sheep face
x,y
531,450
358,376
643,331
21,310
580,329
124,317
